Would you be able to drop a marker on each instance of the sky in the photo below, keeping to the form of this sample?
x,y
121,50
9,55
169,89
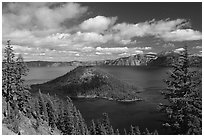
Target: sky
x,y
99,31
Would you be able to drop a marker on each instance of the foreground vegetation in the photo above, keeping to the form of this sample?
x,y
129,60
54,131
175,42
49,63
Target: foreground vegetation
x,y
24,113
184,93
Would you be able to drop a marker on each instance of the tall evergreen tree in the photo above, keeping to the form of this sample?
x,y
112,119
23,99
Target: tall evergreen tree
x,y
184,109
106,123
12,80
42,107
23,95
8,76
93,128
51,114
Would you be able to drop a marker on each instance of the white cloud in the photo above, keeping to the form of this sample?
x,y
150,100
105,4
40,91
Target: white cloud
x,y
55,31
89,36
98,24
121,51
39,16
152,53
169,30
167,45
59,36
87,49
182,35
179,50
112,50
198,47
126,42
143,48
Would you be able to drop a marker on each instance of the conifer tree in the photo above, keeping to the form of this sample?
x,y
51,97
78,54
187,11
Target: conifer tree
x,y
37,113
106,123
8,76
117,132
155,132
125,132
12,81
68,120
51,114
23,95
93,128
146,132
42,107
137,131
132,130
184,110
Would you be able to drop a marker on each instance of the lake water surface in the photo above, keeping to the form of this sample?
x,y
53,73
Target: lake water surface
x,y
143,113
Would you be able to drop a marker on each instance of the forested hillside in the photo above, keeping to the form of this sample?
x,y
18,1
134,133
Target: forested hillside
x,y
90,82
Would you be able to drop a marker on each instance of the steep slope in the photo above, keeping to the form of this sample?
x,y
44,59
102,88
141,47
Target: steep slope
x,y
26,125
135,60
163,59
87,81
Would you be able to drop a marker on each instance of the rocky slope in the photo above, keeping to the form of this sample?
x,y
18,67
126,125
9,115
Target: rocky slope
x,y
163,59
135,60
89,82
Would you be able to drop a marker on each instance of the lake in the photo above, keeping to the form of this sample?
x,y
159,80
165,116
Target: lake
x,y
143,113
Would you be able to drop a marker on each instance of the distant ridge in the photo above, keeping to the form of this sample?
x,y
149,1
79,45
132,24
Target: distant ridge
x,y
163,59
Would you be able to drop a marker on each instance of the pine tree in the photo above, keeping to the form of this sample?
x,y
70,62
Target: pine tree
x,y
23,95
82,125
93,128
13,89
37,113
137,131
68,120
51,113
106,123
184,110
125,132
8,76
155,132
117,132
146,132
132,130
42,107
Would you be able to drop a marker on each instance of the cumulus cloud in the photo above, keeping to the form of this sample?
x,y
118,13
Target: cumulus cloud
x,y
182,35
98,24
143,48
39,16
167,45
152,53
198,47
179,50
168,30
121,51
49,30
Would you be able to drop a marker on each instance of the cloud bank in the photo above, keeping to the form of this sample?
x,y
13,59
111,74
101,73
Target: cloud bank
x,y
48,31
